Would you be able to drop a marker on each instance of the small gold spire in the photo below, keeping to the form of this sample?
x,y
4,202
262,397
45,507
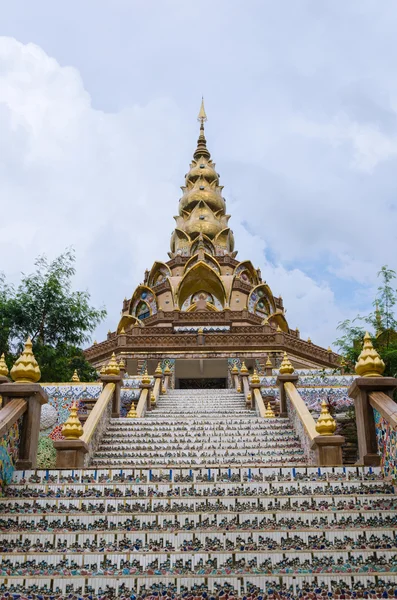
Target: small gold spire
x,y
286,367
202,117
163,390
369,362
200,330
95,342
75,377
121,364
122,331
278,329
72,428
167,370
3,366
103,370
238,389
152,398
26,369
326,424
249,397
146,379
234,369
112,367
329,350
243,369
269,413
132,414
269,362
159,370
255,378
309,341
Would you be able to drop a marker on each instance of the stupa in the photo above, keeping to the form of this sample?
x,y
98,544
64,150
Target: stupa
x,y
203,308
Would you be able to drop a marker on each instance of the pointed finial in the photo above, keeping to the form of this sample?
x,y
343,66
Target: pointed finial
x,y
146,379
234,369
75,377
286,368
72,428
167,370
121,364
152,398
202,117
122,331
26,369
3,366
243,369
249,397
163,390
329,350
326,424
268,362
238,389
369,363
132,414
309,341
112,367
255,378
269,413
159,370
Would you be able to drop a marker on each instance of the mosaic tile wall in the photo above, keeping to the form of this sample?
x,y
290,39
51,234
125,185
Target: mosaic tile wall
x,y
300,432
9,453
387,445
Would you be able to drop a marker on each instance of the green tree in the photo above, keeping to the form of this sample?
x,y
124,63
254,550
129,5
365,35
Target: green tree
x,y
58,319
381,323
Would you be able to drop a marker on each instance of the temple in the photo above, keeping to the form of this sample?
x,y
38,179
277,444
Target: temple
x,y
216,456
203,307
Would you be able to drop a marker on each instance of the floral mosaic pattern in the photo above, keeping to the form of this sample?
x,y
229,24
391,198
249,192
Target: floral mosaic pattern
x,y
9,443
61,398
387,445
300,432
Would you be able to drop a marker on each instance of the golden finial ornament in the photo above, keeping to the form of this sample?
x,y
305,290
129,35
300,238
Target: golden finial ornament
x,y
122,331
26,369
200,330
243,369
269,362
112,367
159,370
234,369
238,389
103,370
72,428
279,330
75,377
329,350
121,364
3,366
286,368
255,379
369,363
163,390
132,414
309,341
152,398
202,117
249,397
326,424
269,413
167,370
146,379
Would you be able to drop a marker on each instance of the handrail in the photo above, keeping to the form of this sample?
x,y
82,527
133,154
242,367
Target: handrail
x,y
142,403
303,412
97,412
385,406
10,413
259,402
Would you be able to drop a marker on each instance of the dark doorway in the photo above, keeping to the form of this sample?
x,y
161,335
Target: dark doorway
x,y
202,384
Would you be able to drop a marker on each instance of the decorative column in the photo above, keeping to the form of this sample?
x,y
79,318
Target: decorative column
x,y
235,380
26,373
269,367
370,368
286,374
146,387
245,384
255,386
111,373
327,445
71,450
158,378
167,378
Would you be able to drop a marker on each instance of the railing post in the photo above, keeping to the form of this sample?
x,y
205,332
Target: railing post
x,y
244,374
370,367
255,386
158,378
113,375
167,378
235,379
286,374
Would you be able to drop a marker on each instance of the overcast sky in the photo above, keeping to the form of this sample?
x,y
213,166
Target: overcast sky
x,y
98,107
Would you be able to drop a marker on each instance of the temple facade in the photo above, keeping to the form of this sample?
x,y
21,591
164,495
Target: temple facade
x,y
203,308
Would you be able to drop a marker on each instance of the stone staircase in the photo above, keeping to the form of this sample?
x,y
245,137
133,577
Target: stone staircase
x,y
199,427
146,520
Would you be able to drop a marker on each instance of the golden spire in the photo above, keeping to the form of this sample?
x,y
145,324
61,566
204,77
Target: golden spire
x,y
326,424
152,399
159,370
121,364
132,412
269,362
234,369
167,370
3,366
286,368
255,377
202,117
112,367
243,369
72,428
26,369
75,377
269,414
146,379
369,362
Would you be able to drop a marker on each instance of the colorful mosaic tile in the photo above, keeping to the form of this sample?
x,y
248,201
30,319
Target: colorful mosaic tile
x,y
9,453
387,445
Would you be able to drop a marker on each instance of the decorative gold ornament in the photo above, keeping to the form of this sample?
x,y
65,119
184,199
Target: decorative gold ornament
x,y
152,398
122,331
309,341
72,428
95,342
326,424
159,370
200,330
3,366
329,350
163,390
286,368
112,367
249,397
75,377
234,369
243,369
121,364
269,362
132,414
146,379
238,389
255,378
279,330
103,370
269,414
167,370
369,362
26,369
